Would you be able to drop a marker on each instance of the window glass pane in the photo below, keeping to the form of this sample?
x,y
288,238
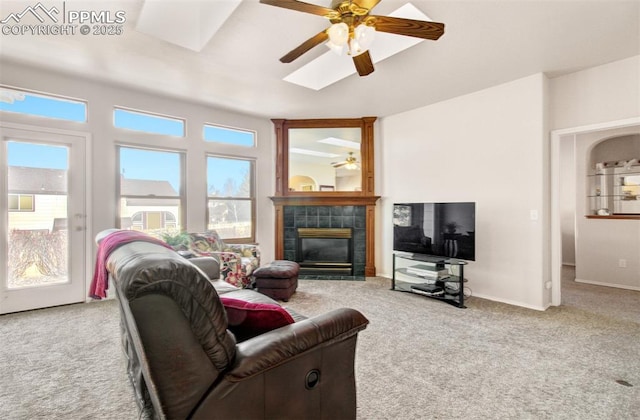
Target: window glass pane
x,y
228,177
33,155
231,203
150,190
230,218
218,134
151,215
24,102
149,172
14,202
37,234
148,123
26,202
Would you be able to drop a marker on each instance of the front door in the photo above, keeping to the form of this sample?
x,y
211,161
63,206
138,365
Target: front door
x,y
43,223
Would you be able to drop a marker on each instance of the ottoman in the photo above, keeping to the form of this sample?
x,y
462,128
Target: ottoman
x,y
277,280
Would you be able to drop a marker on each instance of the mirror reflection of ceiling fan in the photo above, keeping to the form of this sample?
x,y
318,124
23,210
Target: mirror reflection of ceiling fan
x,y
349,163
353,29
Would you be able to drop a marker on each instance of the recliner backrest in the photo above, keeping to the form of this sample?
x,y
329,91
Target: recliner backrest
x,y
140,272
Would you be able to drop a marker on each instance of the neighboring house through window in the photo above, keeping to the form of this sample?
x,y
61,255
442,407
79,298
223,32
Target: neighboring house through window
x,y
150,189
37,197
21,202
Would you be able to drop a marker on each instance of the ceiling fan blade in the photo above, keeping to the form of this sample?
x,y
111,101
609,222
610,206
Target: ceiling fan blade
x,y
363,63
305,46
338,165
409,27
300,6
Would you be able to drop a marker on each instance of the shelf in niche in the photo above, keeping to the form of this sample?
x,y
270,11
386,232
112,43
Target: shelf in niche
x,y
614,217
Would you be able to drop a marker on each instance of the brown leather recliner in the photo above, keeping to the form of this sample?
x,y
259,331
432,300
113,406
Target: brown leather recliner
x,y
184,362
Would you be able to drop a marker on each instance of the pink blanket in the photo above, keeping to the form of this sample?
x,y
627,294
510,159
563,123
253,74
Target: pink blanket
x,y
100,282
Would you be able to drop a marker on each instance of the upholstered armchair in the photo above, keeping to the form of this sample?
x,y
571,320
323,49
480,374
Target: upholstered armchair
x,y
237,261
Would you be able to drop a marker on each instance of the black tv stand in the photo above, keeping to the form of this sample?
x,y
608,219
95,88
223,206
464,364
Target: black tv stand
x,y
431,276
426,258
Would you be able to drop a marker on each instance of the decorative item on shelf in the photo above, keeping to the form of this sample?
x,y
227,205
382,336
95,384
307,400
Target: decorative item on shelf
x,y
451,227
603,212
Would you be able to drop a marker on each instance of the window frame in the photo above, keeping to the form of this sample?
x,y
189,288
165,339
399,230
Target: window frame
x,y
20,209
252,196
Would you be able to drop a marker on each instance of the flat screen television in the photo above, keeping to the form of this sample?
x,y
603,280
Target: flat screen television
x,y
446,230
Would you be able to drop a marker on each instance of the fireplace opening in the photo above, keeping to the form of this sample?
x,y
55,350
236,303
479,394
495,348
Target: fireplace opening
x,y
325,251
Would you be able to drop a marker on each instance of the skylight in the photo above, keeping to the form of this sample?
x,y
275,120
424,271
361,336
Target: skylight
x,y
189,24
330,68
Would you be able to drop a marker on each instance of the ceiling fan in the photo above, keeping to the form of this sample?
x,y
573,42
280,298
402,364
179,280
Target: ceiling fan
x,y
349,163
353,29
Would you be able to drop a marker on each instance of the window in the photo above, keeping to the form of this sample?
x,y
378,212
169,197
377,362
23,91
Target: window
x,y
147,122
150,220
21,202
30,103
219,134
231,198
151,190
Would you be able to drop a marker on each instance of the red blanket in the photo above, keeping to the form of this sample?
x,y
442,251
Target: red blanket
x,y
100,282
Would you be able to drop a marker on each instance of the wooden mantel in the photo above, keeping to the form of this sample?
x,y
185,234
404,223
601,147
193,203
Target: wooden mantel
x,y
365,197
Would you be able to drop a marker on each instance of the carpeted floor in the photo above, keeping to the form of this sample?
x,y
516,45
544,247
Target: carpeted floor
x,y
418,359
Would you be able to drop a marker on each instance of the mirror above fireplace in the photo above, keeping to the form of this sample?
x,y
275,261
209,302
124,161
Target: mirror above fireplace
x,y
324,157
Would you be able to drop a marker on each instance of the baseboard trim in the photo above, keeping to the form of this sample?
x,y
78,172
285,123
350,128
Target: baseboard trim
x,y
617,286
510,302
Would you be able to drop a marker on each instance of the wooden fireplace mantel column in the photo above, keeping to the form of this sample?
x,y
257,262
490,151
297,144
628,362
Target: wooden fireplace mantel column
x,y
366,197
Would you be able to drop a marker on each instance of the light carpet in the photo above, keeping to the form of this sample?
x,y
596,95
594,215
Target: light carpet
x,y
418,359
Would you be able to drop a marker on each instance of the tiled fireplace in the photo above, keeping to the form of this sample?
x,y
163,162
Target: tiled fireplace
x,y
327,241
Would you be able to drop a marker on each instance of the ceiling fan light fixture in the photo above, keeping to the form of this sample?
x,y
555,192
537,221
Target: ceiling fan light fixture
x,y
338,34
338,49
364,34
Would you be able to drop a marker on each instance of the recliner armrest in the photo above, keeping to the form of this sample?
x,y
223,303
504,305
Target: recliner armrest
x,y
271,349
209,265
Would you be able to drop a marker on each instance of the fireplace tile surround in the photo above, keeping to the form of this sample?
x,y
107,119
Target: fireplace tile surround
x,y
312,216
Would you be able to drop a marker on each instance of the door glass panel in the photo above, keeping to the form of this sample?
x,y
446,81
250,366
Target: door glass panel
x,y
37,214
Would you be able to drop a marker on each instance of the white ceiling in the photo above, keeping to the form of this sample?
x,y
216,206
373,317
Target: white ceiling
x,y
485,43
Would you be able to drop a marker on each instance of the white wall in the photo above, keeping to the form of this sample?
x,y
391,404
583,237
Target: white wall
x,y
602,94
568,202
101,99
603,243
490,147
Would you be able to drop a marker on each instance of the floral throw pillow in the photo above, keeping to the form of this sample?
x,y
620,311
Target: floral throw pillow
x,y
205,243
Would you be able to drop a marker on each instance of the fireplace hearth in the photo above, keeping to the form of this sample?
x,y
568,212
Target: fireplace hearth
x,y
323,251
